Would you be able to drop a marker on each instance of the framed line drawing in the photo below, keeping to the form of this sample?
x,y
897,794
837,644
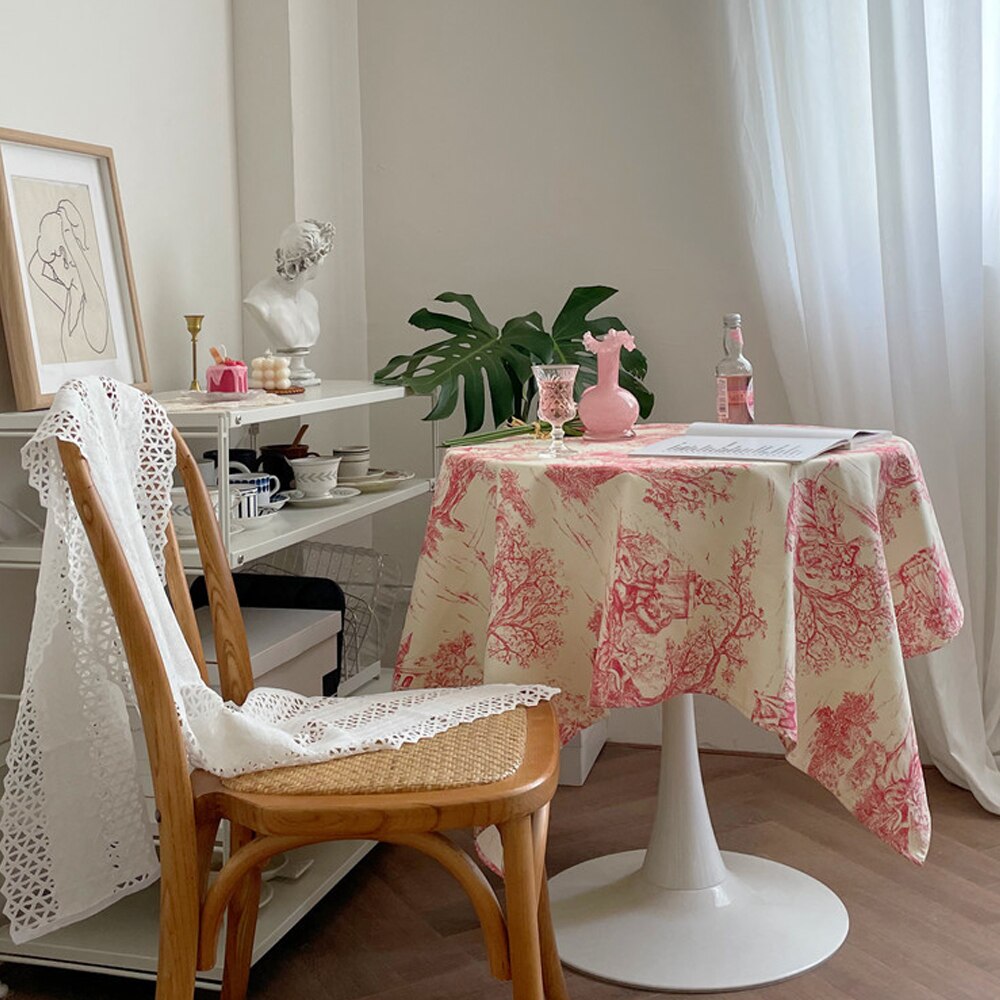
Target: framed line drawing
x,y
67,294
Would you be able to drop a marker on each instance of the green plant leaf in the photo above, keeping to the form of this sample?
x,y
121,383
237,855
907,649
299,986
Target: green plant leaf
x,y
475,352
447,399
486,437
482,358
573,315
567,337
527,331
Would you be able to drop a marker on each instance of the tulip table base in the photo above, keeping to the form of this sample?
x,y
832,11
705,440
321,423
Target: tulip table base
x,y
682,915
764,922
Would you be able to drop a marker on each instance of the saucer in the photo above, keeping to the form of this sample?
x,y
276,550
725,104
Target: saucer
x,y
338,494
263,517
203,396
382,480
183,538
369,477
275,866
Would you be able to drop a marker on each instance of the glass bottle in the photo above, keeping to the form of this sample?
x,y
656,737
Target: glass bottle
x,y
734,402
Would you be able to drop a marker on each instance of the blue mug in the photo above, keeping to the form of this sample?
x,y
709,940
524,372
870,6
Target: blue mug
x,y
264,484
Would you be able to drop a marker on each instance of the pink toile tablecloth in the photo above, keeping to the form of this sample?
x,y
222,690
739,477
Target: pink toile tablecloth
x,y
794,592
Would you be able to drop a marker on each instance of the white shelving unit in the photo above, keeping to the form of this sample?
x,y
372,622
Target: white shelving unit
x,y
289,525
122,940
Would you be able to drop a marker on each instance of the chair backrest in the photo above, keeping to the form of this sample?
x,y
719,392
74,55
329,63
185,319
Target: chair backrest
x,y
164,743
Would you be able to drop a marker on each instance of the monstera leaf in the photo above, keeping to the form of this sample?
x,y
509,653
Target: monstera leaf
x,y
481,356
476,352
566,343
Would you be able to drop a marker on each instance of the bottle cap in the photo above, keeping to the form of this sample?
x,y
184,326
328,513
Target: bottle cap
x,y
731,321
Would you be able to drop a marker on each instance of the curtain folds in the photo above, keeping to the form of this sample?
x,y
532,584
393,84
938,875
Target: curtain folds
x,y
870,149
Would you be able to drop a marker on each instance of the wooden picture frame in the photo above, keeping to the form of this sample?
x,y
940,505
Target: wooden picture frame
x,y
68,305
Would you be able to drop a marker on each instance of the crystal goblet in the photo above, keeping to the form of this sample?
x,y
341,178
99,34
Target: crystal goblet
x,y
556,403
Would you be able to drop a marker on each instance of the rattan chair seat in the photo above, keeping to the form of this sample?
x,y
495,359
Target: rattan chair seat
x,y
473,753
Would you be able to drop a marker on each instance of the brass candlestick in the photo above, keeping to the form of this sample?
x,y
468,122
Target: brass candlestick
x,y
194,328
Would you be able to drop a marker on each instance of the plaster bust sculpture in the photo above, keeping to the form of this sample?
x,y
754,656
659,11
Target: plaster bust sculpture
x,y
283,304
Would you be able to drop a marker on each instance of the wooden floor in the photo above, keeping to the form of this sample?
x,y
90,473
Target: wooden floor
x,y
398,929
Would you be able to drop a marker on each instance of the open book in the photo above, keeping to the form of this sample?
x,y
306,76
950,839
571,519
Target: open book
x,y
760,442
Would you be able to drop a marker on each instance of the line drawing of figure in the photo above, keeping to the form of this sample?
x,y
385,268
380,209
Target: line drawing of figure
x,y
62,270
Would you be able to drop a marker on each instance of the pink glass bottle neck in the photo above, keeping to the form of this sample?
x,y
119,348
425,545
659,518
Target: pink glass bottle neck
x,y
607,366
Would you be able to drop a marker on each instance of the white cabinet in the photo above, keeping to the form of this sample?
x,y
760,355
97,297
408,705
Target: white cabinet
x,y
122,940
290,648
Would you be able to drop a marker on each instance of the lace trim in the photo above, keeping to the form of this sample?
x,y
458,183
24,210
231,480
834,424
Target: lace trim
x,y
311,733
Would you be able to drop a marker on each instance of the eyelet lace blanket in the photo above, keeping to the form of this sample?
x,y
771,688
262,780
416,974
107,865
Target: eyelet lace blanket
x,y
74,834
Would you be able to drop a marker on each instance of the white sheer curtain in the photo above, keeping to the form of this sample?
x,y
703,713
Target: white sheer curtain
x,y
869,143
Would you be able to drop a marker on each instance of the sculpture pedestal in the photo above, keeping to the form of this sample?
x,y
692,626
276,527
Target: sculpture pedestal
x,y
682,915
300,373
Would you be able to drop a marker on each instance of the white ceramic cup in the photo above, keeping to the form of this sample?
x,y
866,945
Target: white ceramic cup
x,y
246,503
180,509
316,475
208,472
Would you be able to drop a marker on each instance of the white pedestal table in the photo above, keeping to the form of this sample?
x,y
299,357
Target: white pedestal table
x,y
793,592
683,915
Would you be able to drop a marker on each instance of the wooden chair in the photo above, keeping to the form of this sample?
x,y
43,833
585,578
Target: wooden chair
x,y
190,806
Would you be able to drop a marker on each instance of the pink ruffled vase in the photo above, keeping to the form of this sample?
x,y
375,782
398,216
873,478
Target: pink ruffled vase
x,y
608,411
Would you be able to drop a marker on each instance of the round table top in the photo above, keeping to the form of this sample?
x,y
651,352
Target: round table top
x,y
792,591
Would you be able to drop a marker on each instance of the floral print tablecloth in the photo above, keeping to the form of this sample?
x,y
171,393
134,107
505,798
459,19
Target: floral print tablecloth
x,y
793,592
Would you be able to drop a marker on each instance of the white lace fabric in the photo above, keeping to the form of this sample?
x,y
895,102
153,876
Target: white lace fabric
x,y
74,834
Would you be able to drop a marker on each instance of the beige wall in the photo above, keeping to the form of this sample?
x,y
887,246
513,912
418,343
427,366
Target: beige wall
x,y
298,126
516,149
155,82
298,122
511,149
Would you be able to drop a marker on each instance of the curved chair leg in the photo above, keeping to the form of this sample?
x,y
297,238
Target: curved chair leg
x,y
522,908
241,924
475,885
552,970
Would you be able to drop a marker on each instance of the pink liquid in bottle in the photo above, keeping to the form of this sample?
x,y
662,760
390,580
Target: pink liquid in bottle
x,y
734,396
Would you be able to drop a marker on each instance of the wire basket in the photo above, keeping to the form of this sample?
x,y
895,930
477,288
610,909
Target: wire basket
x,y
371,584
